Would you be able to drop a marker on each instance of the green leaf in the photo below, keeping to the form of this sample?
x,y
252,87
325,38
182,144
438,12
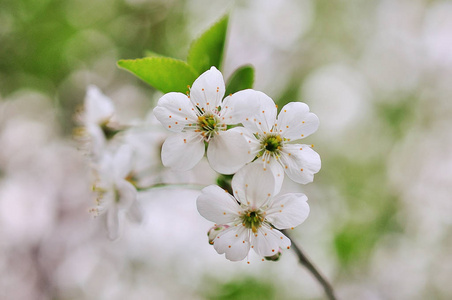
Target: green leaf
x,y
241,79
163,73
207,50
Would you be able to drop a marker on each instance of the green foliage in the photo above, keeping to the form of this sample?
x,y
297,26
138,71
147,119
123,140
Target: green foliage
x,y
241,79
224,181
355,241
398,114
207,50
372,206
244,289
173,75
28,57
163,73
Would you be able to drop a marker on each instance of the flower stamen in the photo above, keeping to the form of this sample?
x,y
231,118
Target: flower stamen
x,y
271,145
253,220
208,125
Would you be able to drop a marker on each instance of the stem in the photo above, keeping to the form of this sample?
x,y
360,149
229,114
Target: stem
x,y
304,260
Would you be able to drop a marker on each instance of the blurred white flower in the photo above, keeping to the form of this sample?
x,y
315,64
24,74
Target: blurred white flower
x,y
146,141
202,118
340,97
147,171
391,64
42,177
252,214
97,120
269,35
271,137
266,17
436,36
116,194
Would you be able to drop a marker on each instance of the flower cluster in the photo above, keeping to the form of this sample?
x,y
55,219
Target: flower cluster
x,y
119,159
240,134
243,135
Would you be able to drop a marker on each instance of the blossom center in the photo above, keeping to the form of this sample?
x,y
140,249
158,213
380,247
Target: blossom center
x,y
271,144
252,220
209,124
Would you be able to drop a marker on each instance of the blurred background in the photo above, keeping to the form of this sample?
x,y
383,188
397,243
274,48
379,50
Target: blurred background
x,y
377,73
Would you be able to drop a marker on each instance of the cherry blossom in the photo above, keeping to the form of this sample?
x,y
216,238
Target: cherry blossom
x,y
116,194
250,218
97,121
273,137
202,118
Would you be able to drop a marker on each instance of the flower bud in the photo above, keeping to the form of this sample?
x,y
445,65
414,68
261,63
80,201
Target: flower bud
x,y
275,257
214,231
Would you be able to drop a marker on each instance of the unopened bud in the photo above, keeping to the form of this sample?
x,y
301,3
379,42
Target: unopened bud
x,y
274,257
215,231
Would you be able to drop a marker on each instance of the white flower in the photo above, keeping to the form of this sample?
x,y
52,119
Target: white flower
x,y
252,214
272,137
98,107
146,141
202,117
116,193
98,112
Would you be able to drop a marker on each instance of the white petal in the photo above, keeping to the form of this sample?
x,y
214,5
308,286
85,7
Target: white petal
x,y
240,107
122,161
217,205
278,172
97,140
98,107
228,151
267,241
135,212
253,143
105,168
288,210
253,186
182,151
265,119
174,111
301,164
112,222
234,242
296,122
268,162
208,90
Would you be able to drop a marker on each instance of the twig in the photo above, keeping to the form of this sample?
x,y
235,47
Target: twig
x,y
304,260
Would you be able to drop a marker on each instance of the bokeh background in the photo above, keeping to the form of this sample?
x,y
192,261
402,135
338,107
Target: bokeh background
x,y
377,73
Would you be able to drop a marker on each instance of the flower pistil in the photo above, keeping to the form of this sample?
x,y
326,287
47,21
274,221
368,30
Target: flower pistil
x,y
208,125
253,220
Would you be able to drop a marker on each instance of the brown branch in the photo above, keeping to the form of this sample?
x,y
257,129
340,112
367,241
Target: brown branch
x,y
304,260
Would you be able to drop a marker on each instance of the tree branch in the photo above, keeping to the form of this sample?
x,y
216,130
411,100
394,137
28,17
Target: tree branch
x,y
304,260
